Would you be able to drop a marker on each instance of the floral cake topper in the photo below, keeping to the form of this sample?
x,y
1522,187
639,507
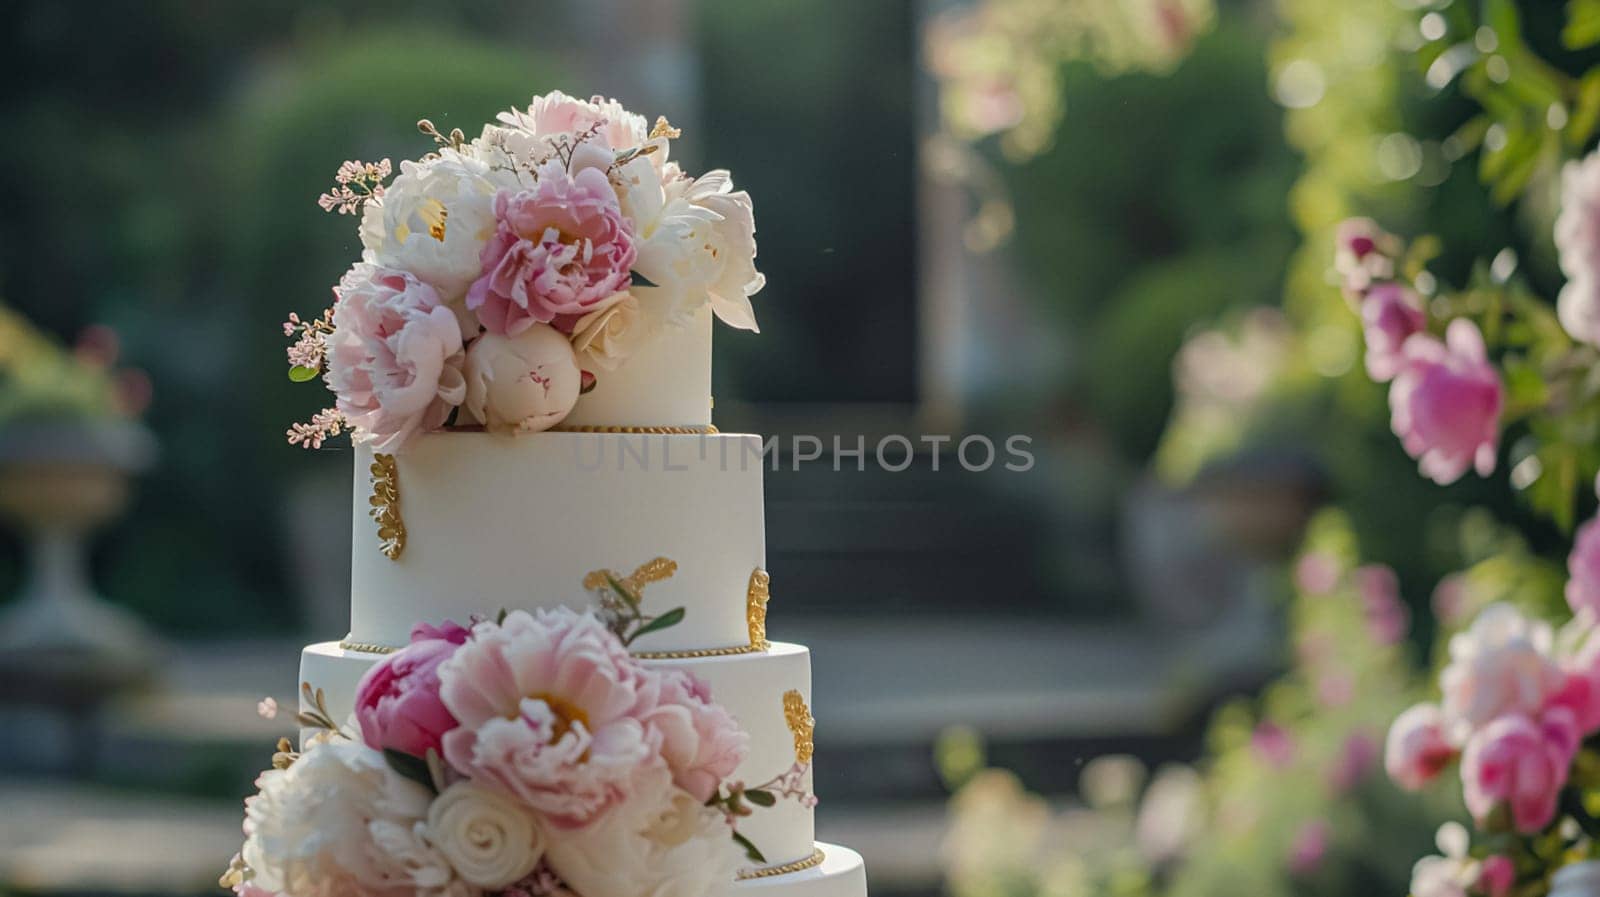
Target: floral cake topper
x,y
502,276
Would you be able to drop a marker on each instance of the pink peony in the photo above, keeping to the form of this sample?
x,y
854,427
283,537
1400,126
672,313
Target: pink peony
x,y
553,710
1445,404
397,702
1388,619
1390,314
1521,763
561,250
1500,665
1417,750
394,357
702,743
1583,568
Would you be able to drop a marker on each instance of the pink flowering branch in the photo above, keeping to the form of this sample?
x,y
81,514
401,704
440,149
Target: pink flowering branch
x,y
323,425
355,184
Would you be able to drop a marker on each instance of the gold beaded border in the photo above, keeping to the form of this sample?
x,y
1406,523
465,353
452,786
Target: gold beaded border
x,y
810,862
694,653
706,430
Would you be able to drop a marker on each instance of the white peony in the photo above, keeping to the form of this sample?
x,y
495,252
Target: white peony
x,y
610,336
338,822
1577,237
523,383
661,843
434,219
490,839
1501,664
731,242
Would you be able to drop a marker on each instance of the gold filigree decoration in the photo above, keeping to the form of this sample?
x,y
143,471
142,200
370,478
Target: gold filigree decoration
x,y
385,503
648,572
810,862
706,430
756,598
801,725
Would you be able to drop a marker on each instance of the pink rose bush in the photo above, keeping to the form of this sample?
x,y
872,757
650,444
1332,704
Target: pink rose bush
x,y
529,754
568,214
1521,763
1445,403
1390,315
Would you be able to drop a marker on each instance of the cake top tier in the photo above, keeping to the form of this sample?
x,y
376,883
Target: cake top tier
x,y
558,269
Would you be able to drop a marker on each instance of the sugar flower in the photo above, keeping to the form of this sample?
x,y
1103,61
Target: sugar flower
x,y
663,842
489,838
394,357
332,824
397,703
523,383
702,742
1577,237
552,710
1417,749
1520,763
433,220
1445,403
1501,665
1390,314
560,250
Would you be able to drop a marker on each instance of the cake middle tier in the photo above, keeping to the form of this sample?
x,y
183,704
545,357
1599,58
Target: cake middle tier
x,y
767,692
473,523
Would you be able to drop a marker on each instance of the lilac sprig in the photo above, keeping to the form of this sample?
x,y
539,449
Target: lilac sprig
x,y
356,183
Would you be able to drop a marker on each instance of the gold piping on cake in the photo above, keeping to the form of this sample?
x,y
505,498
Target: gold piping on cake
x,y
801,724
694,653
648,572
756,597
809,862
385,503
366,647
706,430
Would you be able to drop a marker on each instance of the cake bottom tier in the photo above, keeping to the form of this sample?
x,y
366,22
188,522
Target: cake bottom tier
x,y
751,686
841,873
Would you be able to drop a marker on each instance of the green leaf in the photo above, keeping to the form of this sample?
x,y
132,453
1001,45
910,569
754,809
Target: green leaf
x,y
761,798
670,618
1583,24
1586,111
639,280
750,850
302,374
413,768
1501,16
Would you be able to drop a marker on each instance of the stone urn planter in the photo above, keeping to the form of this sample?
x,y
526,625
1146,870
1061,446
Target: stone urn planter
x,y
61,645
1576,880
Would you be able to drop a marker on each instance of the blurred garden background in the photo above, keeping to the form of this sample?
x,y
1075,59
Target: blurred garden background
x,y
1106,224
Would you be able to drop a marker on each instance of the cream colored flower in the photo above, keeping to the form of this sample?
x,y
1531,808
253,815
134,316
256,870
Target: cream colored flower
x,y
523,383
610,336
434,219
490,839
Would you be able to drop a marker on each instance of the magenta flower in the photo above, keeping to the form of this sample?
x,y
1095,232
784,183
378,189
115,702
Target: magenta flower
x,y
1390,314
561,250
1358,756
1583,568
1445,404
1520,763
1363,254
553,711
1317,573
1496,875
1309,846
397,702
1273,745
1417,749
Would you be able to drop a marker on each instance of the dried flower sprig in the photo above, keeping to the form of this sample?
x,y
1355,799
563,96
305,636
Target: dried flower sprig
x,y
310,348
452,141
322,426
356,183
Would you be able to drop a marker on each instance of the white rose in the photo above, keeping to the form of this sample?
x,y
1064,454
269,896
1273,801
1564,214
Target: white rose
x,y
1502,664
416,866
662,842
434,219
608,337
524,383
490,839
313,829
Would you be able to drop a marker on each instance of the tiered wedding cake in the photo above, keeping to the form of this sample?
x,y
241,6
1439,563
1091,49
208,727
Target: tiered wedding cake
x,y
557,678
